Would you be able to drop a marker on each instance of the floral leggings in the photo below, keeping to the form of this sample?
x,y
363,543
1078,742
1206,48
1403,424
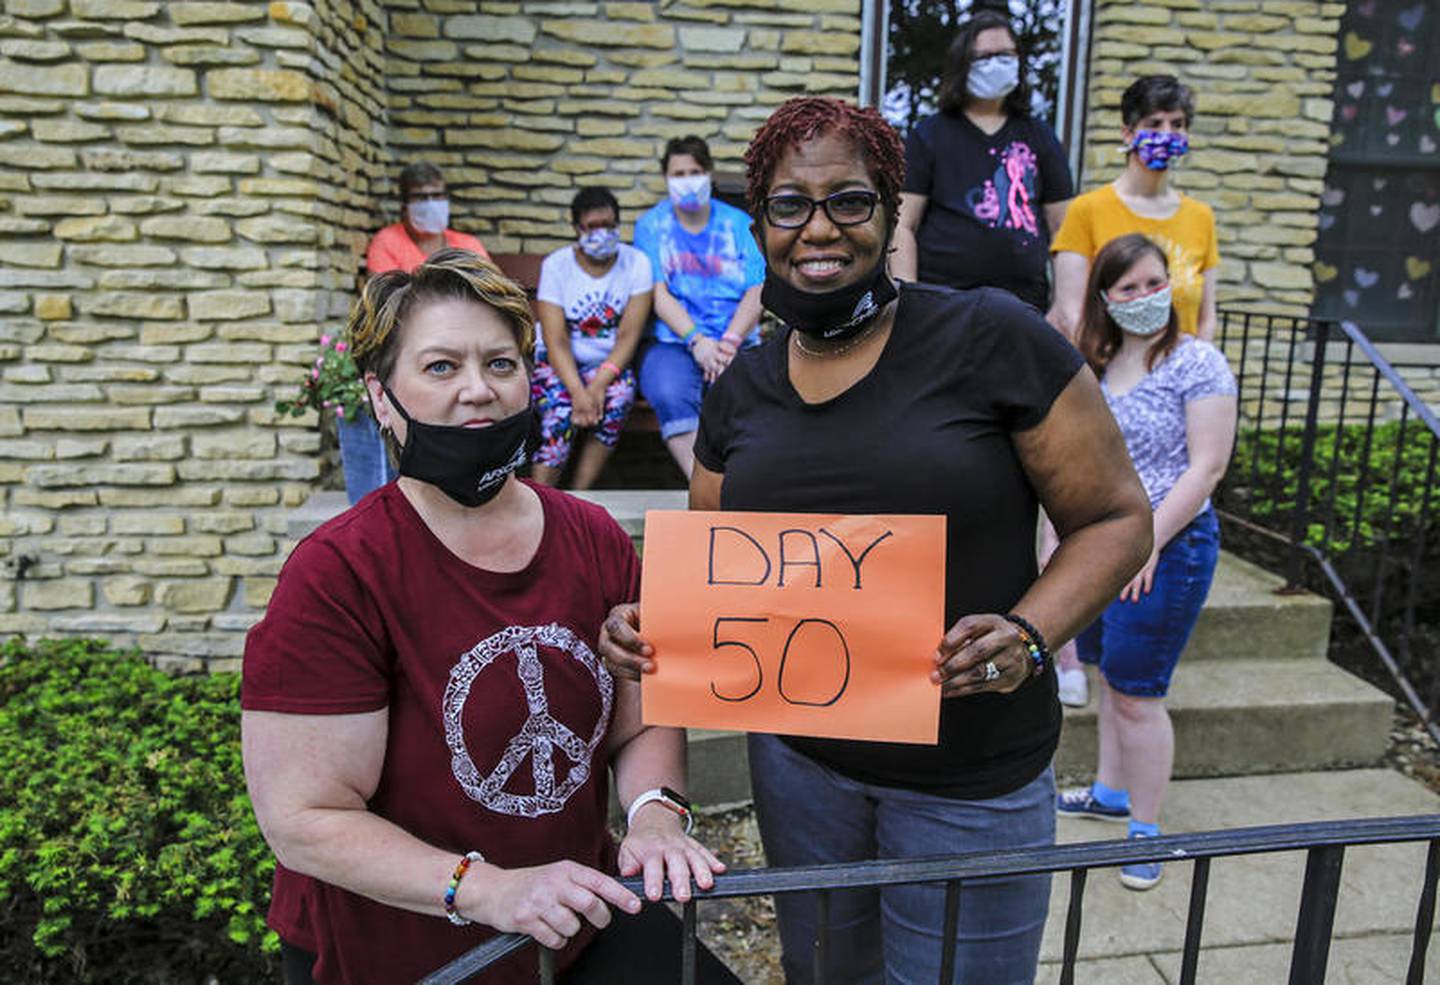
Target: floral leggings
x,y
553,400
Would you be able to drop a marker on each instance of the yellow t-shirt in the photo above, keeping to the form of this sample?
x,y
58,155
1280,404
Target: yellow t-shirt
x,y
1187,237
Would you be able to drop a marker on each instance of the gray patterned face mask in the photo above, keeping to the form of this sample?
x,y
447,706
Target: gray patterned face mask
x,y
1143,315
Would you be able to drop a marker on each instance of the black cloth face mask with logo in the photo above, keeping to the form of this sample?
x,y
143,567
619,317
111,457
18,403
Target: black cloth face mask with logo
x,y
470,465
831,315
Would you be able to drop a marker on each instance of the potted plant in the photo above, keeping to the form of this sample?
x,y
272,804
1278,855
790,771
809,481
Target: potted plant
x,y
333,388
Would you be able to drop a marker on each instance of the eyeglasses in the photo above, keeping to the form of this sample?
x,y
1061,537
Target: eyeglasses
x,y
848,208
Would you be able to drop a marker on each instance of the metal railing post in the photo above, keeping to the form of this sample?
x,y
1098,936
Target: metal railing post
x,y
1317,914
1424,917
1300,522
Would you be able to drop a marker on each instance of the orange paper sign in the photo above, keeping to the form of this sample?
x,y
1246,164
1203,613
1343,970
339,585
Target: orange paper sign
x,y
794,623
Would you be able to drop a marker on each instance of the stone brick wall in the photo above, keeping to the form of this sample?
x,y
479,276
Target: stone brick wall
x,y
185,192
1263,73
527,102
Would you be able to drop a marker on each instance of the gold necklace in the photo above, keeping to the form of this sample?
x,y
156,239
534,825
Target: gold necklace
x,y
860,336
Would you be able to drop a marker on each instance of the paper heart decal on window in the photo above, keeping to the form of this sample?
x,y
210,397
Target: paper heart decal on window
x,y
1404,48
1394,115
1404,293
1356,88
1425,217
1366,278
1410,19
1428,145
1384,89
1417,268
1332,195
1356,47
1324,273
1348,111
1352,298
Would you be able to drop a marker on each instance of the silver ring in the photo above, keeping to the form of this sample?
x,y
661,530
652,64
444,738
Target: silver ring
x,y
992,672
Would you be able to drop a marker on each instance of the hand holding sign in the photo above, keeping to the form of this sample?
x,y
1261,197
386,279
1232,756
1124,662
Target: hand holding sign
x,y
800,624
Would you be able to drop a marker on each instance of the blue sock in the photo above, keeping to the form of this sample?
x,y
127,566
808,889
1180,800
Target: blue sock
x,y
1139,829
1110,797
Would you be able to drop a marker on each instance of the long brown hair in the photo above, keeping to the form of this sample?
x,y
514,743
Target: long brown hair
x,y
1100,337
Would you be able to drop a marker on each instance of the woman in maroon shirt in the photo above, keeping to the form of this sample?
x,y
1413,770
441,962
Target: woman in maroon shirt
x,y
426,726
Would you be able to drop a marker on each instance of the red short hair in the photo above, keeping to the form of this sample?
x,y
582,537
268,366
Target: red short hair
x,y
807,117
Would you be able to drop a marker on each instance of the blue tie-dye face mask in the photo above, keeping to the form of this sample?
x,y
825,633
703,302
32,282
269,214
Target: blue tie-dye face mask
x,y
1157,148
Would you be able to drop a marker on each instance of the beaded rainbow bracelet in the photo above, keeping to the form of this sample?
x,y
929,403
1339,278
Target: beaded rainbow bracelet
x,y
454,887
1033,641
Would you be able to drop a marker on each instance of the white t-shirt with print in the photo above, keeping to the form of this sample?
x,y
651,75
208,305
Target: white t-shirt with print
x,y
592,305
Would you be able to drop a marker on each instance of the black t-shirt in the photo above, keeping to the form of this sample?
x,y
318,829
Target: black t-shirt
x,y
927,431
984,224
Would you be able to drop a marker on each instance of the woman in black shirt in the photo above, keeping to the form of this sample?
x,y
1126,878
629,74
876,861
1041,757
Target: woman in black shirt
x,y
986,183
931,402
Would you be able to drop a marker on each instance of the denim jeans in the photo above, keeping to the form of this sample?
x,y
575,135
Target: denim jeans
x,y
810,815
363,457
1138,644
671,380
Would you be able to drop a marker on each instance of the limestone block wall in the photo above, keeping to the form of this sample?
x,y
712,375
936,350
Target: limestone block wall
x,y
186,189
524,102
183,189
1263,73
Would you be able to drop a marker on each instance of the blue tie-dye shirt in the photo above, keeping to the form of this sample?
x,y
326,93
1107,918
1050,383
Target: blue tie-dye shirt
x,y
709,271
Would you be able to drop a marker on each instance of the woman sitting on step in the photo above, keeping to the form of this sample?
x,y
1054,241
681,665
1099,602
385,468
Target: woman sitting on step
x,y
1174,398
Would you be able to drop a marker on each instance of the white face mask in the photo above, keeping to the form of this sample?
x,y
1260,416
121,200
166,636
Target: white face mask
x,y
994,78
690,193
430,216
1144,315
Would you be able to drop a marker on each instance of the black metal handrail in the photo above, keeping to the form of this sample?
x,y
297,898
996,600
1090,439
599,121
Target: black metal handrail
x,y
1337,462
1324,843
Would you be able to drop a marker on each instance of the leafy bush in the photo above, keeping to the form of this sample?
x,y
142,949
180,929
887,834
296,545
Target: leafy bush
x,y
128,848
1263,482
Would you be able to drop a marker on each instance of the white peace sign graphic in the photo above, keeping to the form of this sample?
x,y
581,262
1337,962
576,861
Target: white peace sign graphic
x,y
541,734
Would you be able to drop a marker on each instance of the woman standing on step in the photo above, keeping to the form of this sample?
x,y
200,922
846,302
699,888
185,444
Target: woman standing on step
x,y
1174,398
925,400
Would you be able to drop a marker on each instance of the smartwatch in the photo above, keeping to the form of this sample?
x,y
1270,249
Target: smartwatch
x,y
667,798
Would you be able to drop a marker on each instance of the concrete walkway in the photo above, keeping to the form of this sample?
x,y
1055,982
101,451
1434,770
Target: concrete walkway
x,y
1131,938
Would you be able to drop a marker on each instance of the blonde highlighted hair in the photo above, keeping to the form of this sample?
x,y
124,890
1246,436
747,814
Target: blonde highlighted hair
x,y
378,317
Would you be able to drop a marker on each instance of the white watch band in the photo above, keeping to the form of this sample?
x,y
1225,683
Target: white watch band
x,y
657,794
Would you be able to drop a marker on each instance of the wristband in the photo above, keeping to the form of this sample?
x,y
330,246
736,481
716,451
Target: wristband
x,y
695,336
452,914
607,364
1033,642
734,342
666,798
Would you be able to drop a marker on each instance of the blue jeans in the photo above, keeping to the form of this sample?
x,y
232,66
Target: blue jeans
x,y
1138,644
674,385
363,457
810,815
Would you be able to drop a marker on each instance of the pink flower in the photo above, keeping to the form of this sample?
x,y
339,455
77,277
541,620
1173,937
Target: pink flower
x,y
340,411
315,374
324,340
341,347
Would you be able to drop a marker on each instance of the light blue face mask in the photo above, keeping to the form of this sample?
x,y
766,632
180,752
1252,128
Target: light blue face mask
x,y
994,77
430,215
600,244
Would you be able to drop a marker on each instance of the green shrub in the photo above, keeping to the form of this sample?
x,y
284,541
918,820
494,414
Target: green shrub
x,y
1253,486
128,848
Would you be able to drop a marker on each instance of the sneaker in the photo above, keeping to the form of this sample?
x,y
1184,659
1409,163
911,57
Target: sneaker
x,y
1080,802
1140,876
1074,688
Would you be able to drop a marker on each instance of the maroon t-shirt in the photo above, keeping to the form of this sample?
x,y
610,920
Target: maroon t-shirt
x,y
498,708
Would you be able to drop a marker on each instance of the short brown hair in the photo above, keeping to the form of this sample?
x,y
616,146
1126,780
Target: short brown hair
x,y
378,318
413,176
807,117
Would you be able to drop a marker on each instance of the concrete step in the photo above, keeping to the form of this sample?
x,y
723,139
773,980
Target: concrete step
x,y
1237,717
1253,901
1244,618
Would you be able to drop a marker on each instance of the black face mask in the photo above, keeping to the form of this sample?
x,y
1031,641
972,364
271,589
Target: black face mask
x,y
832,315
470,465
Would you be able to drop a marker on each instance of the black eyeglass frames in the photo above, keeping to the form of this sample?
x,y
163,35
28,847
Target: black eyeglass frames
x,y
847,208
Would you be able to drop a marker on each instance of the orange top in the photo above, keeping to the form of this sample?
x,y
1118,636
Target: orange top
x,y
393,249
1187,237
